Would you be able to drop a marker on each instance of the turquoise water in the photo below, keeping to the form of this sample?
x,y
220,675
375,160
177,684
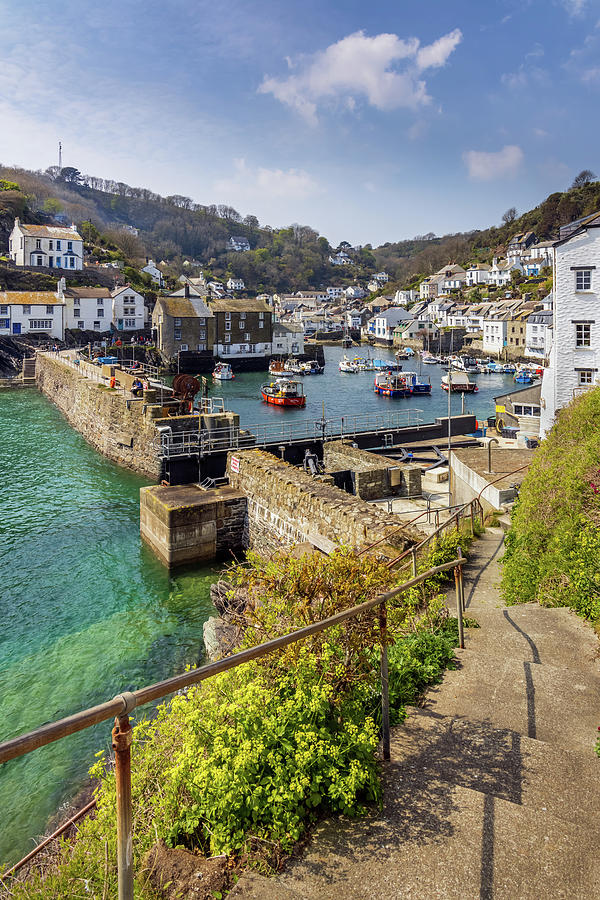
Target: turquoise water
x,y
86,609
343,394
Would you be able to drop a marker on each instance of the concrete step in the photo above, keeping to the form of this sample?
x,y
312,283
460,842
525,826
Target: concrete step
x,y
499,762
534,633
549,703
253,886
435,839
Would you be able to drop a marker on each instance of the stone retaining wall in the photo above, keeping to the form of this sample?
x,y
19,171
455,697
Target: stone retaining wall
x,y
287,506
374,476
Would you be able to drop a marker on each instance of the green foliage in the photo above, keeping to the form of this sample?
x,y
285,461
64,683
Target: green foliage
x,y
52,205
8,185
553,547
416,661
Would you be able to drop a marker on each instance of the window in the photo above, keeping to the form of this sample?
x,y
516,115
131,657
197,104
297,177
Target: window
x,y
583,335
27,309
227,339
583,280
251,348
3,310
40,261
40,324
81,324
100,313
58,245
76,312
261,323
96,326
177,322
51,262
38,245
227,326
202,334
58,262
226,349
177,334
247,336
228,317
586,376
4,323
72,262
100,301
50,245
183,348
129,323
49,310
202,321
201,347
69,245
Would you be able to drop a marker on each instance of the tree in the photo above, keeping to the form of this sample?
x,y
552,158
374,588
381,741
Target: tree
x,y
509,216
53,206
70,174
251,221
586,176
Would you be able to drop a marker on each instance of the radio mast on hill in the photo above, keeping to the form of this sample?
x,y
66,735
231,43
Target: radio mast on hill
x,y
59,155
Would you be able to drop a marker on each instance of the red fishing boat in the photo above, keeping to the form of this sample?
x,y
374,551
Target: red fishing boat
x,y
283,392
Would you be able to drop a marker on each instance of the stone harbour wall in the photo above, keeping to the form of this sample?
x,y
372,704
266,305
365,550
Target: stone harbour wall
x,y
120,431
286,506
374,476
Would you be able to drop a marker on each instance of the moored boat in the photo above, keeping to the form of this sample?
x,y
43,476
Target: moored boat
x,y
459,382
416,385
390,384
283,392
223,372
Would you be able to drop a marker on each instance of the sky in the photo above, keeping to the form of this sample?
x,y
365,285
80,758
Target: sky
x,y
370,122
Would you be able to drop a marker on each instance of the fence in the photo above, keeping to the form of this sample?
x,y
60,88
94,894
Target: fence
x,y
123,704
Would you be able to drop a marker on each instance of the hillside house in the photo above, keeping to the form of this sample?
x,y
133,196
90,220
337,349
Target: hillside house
x,y
575,355
45,245
477,274
236,284
341,259
239,244
128,309
381,326
405,298
86,308
413,330
32,312
154,272
519,244
354,292
538,334
501,271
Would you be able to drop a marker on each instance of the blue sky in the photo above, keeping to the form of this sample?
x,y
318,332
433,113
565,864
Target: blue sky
x,y
369,122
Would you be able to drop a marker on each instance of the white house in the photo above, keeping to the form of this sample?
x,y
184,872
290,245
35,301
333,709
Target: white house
x,y
236,284
381,326
519,245
501,271
239,244
354,292
154,272
452,278
431,286
495,333
335,293
32,312
405,298
128,309
415,329
479,274
575,354
288,339
538,334
381,277
86,308
341,259
45,245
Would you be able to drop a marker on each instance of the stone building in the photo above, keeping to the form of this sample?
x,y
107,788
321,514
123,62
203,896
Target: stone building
x,y
243,328
183,323
50,246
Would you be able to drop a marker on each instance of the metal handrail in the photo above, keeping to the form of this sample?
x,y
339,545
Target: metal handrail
x,y
123,704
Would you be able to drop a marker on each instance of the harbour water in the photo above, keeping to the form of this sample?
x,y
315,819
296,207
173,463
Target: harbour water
x,y
341,394
86,609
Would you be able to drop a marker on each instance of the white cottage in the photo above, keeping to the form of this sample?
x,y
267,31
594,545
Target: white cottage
x,y
32,312
45,245
575,354
128,310
154,272
86,308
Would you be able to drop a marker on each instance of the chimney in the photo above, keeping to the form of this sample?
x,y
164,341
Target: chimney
x,y
17,222
186,291
60,288
73,226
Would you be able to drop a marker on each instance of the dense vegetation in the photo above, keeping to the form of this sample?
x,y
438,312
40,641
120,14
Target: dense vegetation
x,y
553,547
175,228
243,763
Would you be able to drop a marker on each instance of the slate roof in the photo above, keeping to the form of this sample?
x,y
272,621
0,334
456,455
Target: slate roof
x,y
50,231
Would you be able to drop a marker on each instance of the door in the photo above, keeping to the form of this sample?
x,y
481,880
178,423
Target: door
x,y
16,329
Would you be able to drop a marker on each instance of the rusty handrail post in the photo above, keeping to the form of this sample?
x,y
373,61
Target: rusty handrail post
x,y
121,742
413,553
472,519
458,579
385,682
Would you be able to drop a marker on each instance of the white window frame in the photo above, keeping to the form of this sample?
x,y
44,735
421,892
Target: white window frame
x,y
585,377
81,324
583,335
583,280
227,339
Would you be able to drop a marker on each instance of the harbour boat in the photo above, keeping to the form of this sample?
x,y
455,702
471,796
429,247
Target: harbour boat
x,y
223,372
283,392
416,385
355,364
277,367
429,360
311,367
523,377
390,384
458,382
380,365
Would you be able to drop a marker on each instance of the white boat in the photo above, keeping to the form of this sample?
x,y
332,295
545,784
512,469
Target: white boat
x,y
223,372
459,382
429,360
356,364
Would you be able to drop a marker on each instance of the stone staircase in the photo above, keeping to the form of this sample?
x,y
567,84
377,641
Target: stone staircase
x,y
28,371
493,791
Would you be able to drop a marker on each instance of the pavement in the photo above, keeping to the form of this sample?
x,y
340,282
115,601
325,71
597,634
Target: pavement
x,y
492,791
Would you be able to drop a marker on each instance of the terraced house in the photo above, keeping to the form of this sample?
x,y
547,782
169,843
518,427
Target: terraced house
x,y
46,245
183,323
243,328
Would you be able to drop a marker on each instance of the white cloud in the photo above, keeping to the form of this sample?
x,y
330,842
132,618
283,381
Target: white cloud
x,y
249,183
574,7
362,66
486,166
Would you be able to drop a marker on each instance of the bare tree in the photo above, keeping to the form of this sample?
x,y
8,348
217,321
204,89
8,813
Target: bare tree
x,y
586,176
509,216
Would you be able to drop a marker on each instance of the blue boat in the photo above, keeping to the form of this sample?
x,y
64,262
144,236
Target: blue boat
x,y
416,386
523,378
